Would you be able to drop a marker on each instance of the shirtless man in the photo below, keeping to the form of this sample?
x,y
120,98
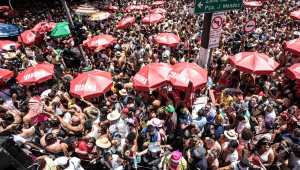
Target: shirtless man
x,y
131,146
8,118
75,125
51,143
226,74
212,159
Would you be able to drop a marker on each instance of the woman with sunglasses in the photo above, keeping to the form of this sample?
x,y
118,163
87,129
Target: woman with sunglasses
x,y
264,152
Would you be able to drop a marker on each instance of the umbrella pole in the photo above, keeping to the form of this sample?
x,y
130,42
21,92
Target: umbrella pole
x,y
18,28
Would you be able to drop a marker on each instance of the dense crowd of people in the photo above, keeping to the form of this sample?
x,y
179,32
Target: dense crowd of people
x,y
130,129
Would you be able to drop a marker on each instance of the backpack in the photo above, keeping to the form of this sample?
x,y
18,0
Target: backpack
x,y
75,53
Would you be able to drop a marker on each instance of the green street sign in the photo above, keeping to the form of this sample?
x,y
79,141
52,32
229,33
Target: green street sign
x,y
205,6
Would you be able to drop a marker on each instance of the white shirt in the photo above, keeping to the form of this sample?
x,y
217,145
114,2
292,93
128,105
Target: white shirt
x,y
270,115
294,161
114,163
232,157
74,164
242,125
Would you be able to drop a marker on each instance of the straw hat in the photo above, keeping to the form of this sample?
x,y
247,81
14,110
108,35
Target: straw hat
x,y
230,134
123,92
113,115
93,112
103,142
9,55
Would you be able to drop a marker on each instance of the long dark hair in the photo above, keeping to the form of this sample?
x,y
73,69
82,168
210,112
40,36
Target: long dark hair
x,y
287,151
140,140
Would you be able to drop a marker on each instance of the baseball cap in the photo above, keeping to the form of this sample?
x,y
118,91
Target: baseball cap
x,y
246,163
271,104
200,151
226,91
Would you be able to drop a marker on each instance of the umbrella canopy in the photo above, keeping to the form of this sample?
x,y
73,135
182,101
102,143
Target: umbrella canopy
x,y
5,44
130,8
295,15
152,18
152,76
4,7
8,30
293,46
61,30
36,74
183,73
35,104
124,22
101,40
294,72
5,74
112,8
252,4
157,3
30,38
252,62
2,20
84,42
142,8
167,39
44,27
100,16
85,10
159,11
91,84
10,14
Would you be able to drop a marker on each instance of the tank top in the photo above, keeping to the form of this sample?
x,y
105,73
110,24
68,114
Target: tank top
x,y
264,158
230,118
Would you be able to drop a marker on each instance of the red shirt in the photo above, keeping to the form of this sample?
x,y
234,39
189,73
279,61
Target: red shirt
x,y
83,147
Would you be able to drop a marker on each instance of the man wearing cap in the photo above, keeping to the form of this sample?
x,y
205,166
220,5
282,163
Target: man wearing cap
x,y
171,121
244,110
269,112
197,159
224,97
216,128
229,154
66,163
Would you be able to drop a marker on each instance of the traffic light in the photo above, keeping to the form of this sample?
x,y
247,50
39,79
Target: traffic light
x,y
78,33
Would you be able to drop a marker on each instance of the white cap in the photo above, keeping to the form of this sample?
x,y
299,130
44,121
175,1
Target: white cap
x,y
61,161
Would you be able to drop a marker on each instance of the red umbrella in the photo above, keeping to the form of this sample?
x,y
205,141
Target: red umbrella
x,y
142,8
295,15
91,84
157,3
112,8
292,46
130,8
252,62
159,11
4,7
84,42
101,40
190,96
253,4
124,22
152,18
10,14
167,39
183,73
30,38
35,104
152,76
5,44
43,27
294,72
5,74
36,74
2,20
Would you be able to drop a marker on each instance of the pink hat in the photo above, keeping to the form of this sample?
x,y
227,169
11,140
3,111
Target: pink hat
x,y
172,167
176,156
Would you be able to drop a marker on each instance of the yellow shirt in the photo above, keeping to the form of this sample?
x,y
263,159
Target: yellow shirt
x,y
227,100
182,164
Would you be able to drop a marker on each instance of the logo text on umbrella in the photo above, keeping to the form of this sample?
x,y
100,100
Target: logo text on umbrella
x,y
180,77
34,74
297,69
140,79
98,42
164,39
238,57
85,87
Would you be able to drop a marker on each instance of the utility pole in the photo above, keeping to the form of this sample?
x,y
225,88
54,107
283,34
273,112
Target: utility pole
x,y
205,54
71,21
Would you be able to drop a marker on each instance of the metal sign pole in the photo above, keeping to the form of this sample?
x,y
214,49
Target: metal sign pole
x,y
71,21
